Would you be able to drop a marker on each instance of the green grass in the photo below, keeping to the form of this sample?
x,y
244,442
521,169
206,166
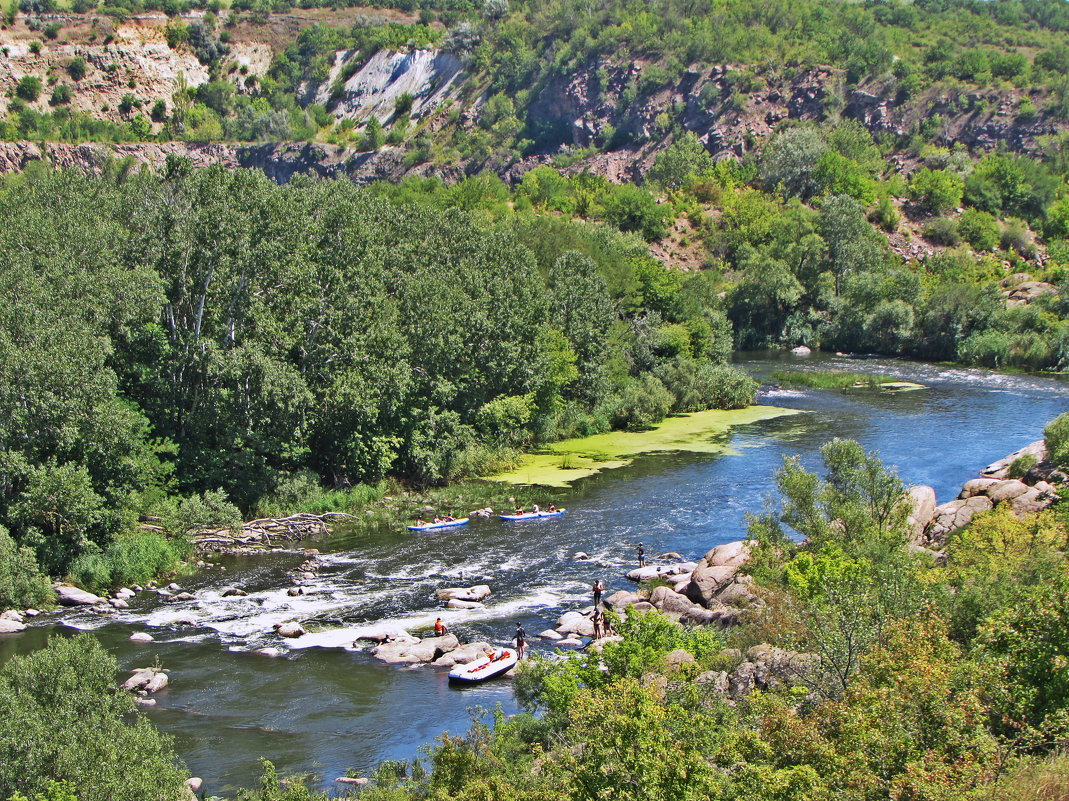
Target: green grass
x,y
836,379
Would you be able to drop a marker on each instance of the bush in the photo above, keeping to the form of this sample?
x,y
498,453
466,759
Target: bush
x,y
52,30
61,720
403,104
61,95
1057,436
506,418
211,510
29,88
942,231
642,404
1021,465
1017,237
938,191
76,68
979,229
631,208
132,559
886,215
22,584
790,162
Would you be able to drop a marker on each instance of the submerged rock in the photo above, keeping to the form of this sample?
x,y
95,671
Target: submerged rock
x,y
352,782
476,593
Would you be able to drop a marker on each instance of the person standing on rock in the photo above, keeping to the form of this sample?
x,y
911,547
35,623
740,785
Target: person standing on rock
x,y
521,640
598,621
641,555
598,587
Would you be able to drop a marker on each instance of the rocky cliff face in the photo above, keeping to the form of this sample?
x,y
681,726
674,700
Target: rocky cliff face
x,y
132,58
427,76
279,161
596,108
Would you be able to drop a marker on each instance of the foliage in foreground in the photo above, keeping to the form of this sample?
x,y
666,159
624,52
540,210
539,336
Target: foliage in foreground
x,y
63,721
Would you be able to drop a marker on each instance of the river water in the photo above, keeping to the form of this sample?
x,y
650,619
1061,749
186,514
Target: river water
x,y
325,706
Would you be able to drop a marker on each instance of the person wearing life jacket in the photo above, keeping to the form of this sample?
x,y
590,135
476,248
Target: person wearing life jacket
x,y
439,628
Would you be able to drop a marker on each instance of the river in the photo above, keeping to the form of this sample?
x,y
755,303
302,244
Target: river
x,y
325,706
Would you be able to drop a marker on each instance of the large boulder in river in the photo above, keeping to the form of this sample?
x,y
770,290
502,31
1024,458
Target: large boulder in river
x,y
289,629
476,593
716,570
463,654
157,682
680,607
425,650
73,596
647,573
147,679
622,599
707,582
735,554
11,626
575,623
1001,468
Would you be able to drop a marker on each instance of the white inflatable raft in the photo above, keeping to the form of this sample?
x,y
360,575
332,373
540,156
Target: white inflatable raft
x,y
499,661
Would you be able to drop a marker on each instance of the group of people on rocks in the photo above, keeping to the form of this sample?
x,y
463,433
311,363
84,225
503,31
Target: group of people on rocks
x,y
601,624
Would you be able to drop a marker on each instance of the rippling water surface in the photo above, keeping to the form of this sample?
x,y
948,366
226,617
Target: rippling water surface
x,y
327,706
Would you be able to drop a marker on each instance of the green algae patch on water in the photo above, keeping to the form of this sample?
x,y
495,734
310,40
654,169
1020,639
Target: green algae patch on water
x,y
568,460
902,386
838,379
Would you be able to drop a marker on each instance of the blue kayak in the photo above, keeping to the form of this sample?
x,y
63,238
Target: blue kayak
x,y
460,521
534,515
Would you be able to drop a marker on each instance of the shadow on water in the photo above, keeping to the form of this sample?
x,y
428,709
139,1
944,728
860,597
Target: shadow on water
x,y
331,708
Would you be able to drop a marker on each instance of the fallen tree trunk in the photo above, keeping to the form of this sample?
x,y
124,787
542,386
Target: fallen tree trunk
x,y
261,533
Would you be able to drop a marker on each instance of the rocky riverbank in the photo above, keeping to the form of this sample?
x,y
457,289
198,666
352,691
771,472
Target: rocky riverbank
x,y
1034,490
